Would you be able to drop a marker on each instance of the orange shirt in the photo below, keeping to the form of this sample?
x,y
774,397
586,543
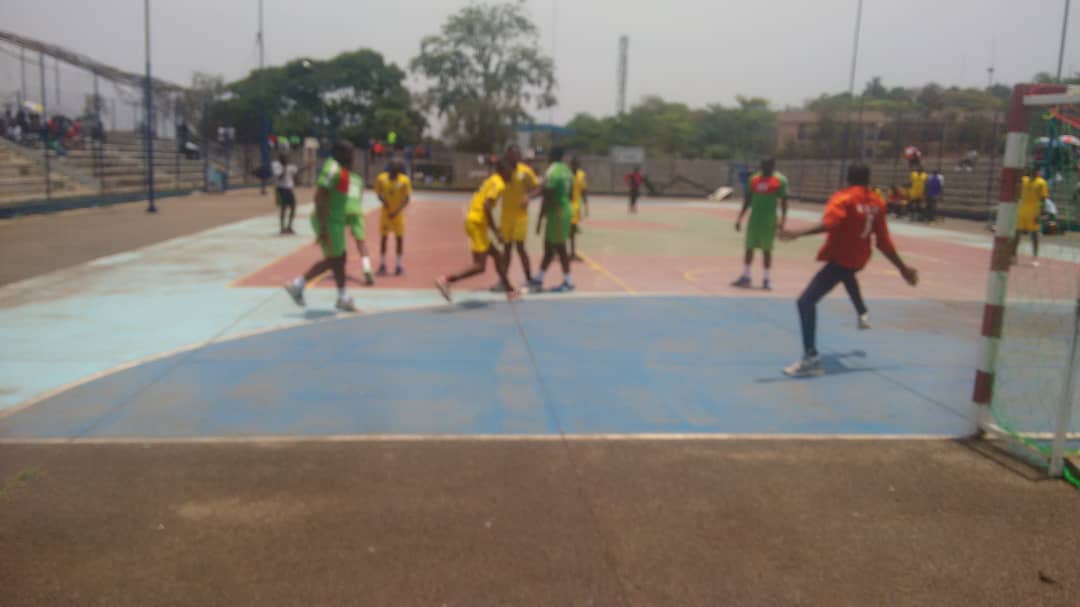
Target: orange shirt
x,y
851,216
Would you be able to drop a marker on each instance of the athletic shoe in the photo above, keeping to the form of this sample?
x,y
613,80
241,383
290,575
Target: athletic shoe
x,y
512,295
297,293
1035,263
576,257
345,304
399,271
864,322
808,366
498,287
290,231
536,286
742,282
369,279
765,284
563,288
382,270
444,288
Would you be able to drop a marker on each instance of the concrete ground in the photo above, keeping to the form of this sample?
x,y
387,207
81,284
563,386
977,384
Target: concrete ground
x,y
142,461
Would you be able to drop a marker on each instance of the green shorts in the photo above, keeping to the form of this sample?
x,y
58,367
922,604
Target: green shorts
x,y
557,230
337,237
761,231
355,224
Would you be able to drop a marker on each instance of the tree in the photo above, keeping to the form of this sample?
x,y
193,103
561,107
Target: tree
x,y
931,97
485,68
875,89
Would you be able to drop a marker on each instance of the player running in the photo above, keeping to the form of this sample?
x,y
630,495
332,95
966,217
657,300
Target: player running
x,y
579,201
479,224
395,191
514,217
1033,194
851,215
557,210
354,221
328,221
763,190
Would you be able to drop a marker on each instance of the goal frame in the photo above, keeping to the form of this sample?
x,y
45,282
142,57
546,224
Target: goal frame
x,y
1024,97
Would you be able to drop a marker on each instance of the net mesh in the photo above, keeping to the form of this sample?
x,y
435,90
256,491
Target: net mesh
x,y
1041,304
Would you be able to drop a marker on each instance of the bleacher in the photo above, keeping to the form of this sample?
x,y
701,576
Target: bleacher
x,y
22,177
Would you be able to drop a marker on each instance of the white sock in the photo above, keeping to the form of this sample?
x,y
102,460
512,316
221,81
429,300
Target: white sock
x,y
299,283
567,279
766,273
342,294
366,262
746,271
539,276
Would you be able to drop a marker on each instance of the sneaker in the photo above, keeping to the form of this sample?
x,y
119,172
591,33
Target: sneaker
x,y
1035,263
290,231
444,288
742,282
563,288
808,366
369,279
345,304
864,322
513,294
297,293
382,270
576,257
536,286
766,284
399,271
498,287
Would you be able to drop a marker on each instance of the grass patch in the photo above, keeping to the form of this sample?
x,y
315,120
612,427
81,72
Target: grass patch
x,y
19,480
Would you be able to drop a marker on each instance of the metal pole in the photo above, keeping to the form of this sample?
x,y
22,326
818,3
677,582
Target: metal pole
x,y
56,83
95,141
45,127
1061,429
206,143
22,74
851,92
148,118
264,132
1064,30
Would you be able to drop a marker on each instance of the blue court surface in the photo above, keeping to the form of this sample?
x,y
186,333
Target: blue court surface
x,y
543,366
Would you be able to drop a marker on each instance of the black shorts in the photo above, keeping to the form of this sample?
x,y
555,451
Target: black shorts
x,y
285,197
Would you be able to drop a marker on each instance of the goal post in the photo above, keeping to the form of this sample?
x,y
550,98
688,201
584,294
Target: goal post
x,y
1026,374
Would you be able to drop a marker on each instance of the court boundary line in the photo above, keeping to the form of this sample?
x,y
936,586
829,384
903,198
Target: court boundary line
x,y
658,437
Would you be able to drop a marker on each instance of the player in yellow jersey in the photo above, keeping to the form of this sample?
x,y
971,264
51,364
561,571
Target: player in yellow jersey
x,y
579,203
522,185
395,191
917,194
479,227
1033,194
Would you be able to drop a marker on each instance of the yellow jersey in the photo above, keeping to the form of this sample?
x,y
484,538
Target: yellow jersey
x,y
492,188
1032,192
579,186
521,183
394,191
918,186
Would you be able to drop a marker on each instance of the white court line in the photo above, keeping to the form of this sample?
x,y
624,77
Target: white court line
x,y
481,438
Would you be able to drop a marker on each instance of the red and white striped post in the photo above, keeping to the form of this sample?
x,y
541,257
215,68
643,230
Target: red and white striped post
x,y
1016,144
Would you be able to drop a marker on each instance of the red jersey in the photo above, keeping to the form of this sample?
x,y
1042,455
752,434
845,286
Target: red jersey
x,y
634,179
851,216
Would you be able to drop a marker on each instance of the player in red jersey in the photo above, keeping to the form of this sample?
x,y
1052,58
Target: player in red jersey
x,y
851,216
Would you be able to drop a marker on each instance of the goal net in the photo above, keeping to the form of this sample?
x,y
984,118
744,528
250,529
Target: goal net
x,y
1028,363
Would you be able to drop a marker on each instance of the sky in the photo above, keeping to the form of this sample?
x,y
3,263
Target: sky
x,y
694,51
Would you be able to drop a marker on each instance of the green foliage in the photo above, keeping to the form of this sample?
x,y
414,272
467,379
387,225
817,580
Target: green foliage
x,y
356,95
485,68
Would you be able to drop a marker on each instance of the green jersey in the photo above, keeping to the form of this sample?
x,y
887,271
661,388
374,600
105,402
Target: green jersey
x,y
354,206
558,183
335,179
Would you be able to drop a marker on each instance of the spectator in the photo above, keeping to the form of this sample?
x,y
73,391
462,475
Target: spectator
x,y
935,187
967,163
913,156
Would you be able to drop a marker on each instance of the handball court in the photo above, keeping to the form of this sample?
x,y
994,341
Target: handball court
x,y
631,443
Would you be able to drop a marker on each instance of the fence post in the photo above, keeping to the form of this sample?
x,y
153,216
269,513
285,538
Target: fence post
x,y
45,127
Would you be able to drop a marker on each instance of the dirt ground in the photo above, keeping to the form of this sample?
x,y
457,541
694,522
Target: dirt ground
x,y
533,523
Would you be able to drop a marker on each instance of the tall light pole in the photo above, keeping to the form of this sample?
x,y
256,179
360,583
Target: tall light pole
x,y
148,117
1064,30
264,126
851,91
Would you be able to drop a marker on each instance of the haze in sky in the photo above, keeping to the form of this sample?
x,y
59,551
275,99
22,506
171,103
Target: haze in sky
x,y
695,51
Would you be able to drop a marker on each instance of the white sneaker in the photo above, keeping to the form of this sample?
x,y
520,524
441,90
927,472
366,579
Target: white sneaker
x,y
297,293
808,366
345,304
1035,263
864,322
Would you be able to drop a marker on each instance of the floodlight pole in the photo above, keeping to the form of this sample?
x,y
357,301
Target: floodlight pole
x,y
264,130
851,92
1064,30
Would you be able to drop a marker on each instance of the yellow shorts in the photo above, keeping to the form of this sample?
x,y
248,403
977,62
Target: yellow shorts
x,y
514,228
479,237
1027,220
575,216
394,226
